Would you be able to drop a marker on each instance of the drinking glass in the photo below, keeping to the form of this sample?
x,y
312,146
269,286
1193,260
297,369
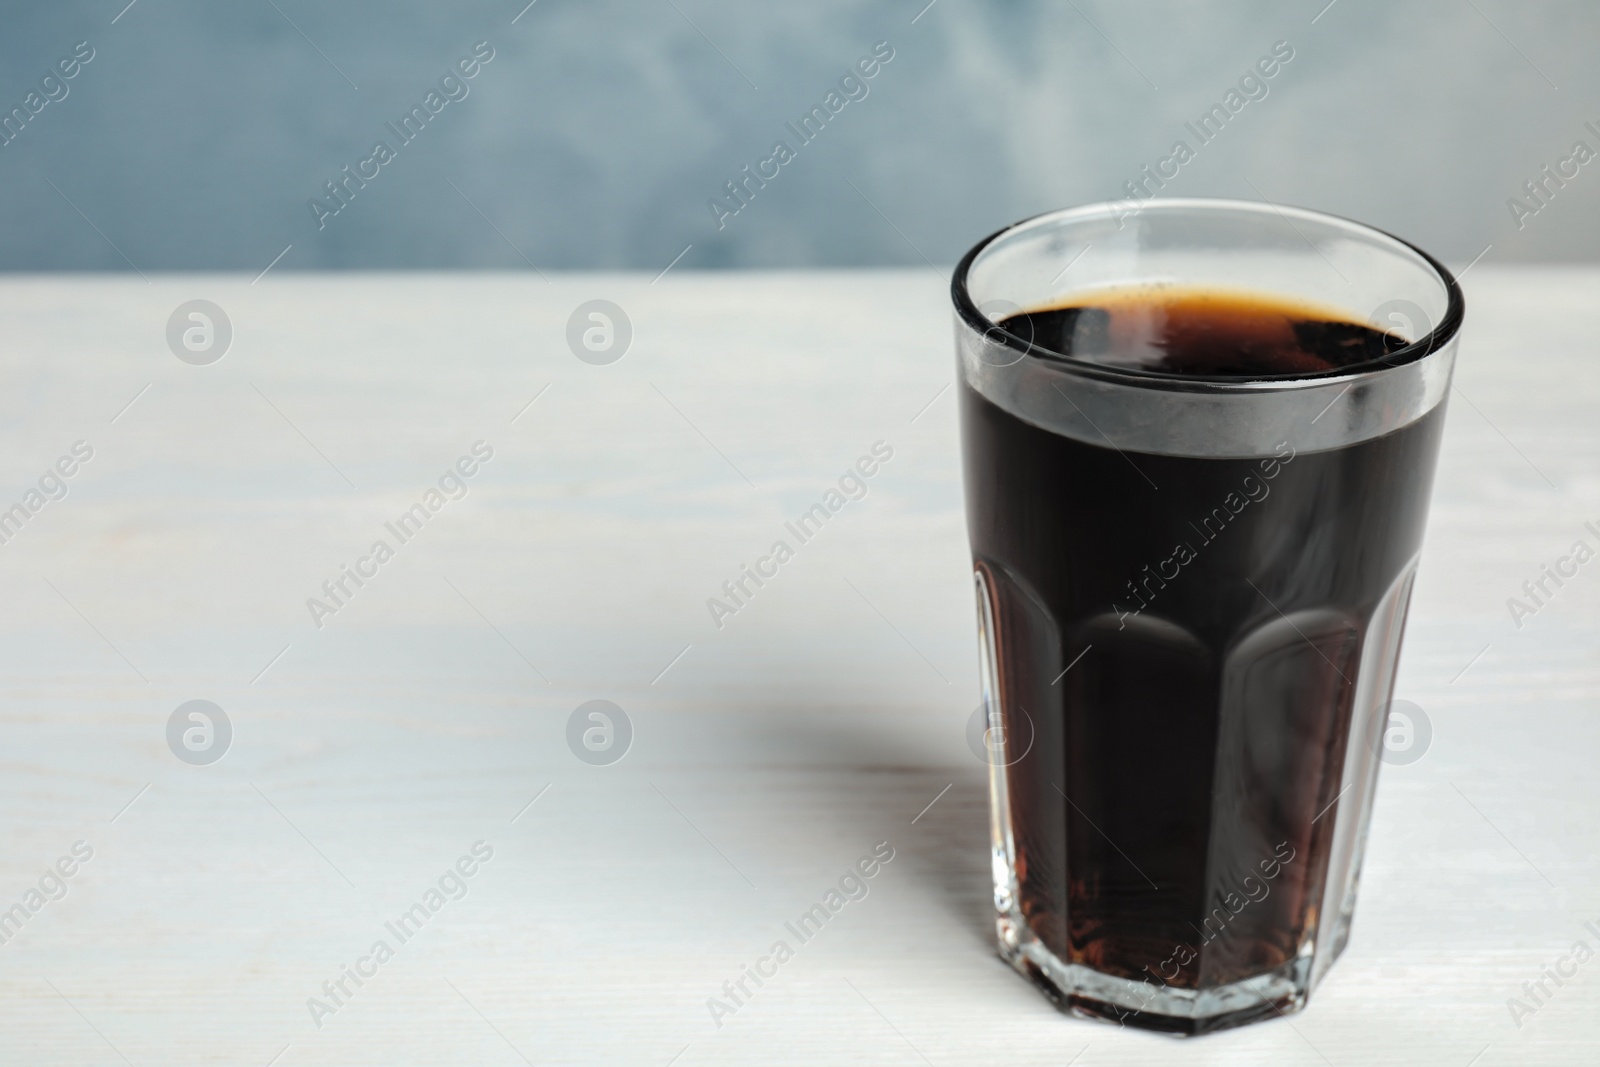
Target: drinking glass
x,y
1191,595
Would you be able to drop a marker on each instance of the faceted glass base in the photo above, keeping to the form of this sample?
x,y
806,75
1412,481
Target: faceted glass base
x,y
1089,994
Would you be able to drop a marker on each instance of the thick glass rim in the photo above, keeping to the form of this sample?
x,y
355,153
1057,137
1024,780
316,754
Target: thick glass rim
x,y
1436,339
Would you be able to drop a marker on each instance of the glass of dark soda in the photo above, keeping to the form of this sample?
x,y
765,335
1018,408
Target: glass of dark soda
x,y
1199,439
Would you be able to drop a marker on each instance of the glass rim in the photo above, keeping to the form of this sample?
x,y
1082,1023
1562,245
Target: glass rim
x,y
1436,339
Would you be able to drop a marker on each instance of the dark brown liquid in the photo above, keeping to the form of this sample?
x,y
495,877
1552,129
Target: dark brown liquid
x,y
1208,333
1173,817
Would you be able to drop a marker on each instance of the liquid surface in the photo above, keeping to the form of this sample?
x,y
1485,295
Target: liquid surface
x,y
1214,333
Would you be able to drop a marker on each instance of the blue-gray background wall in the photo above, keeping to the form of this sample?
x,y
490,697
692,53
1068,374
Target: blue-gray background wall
x,y
198,133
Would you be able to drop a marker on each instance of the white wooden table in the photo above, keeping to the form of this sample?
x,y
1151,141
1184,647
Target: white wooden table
x,y
424,715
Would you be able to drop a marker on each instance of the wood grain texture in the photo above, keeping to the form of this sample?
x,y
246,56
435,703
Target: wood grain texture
x,y
775,750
